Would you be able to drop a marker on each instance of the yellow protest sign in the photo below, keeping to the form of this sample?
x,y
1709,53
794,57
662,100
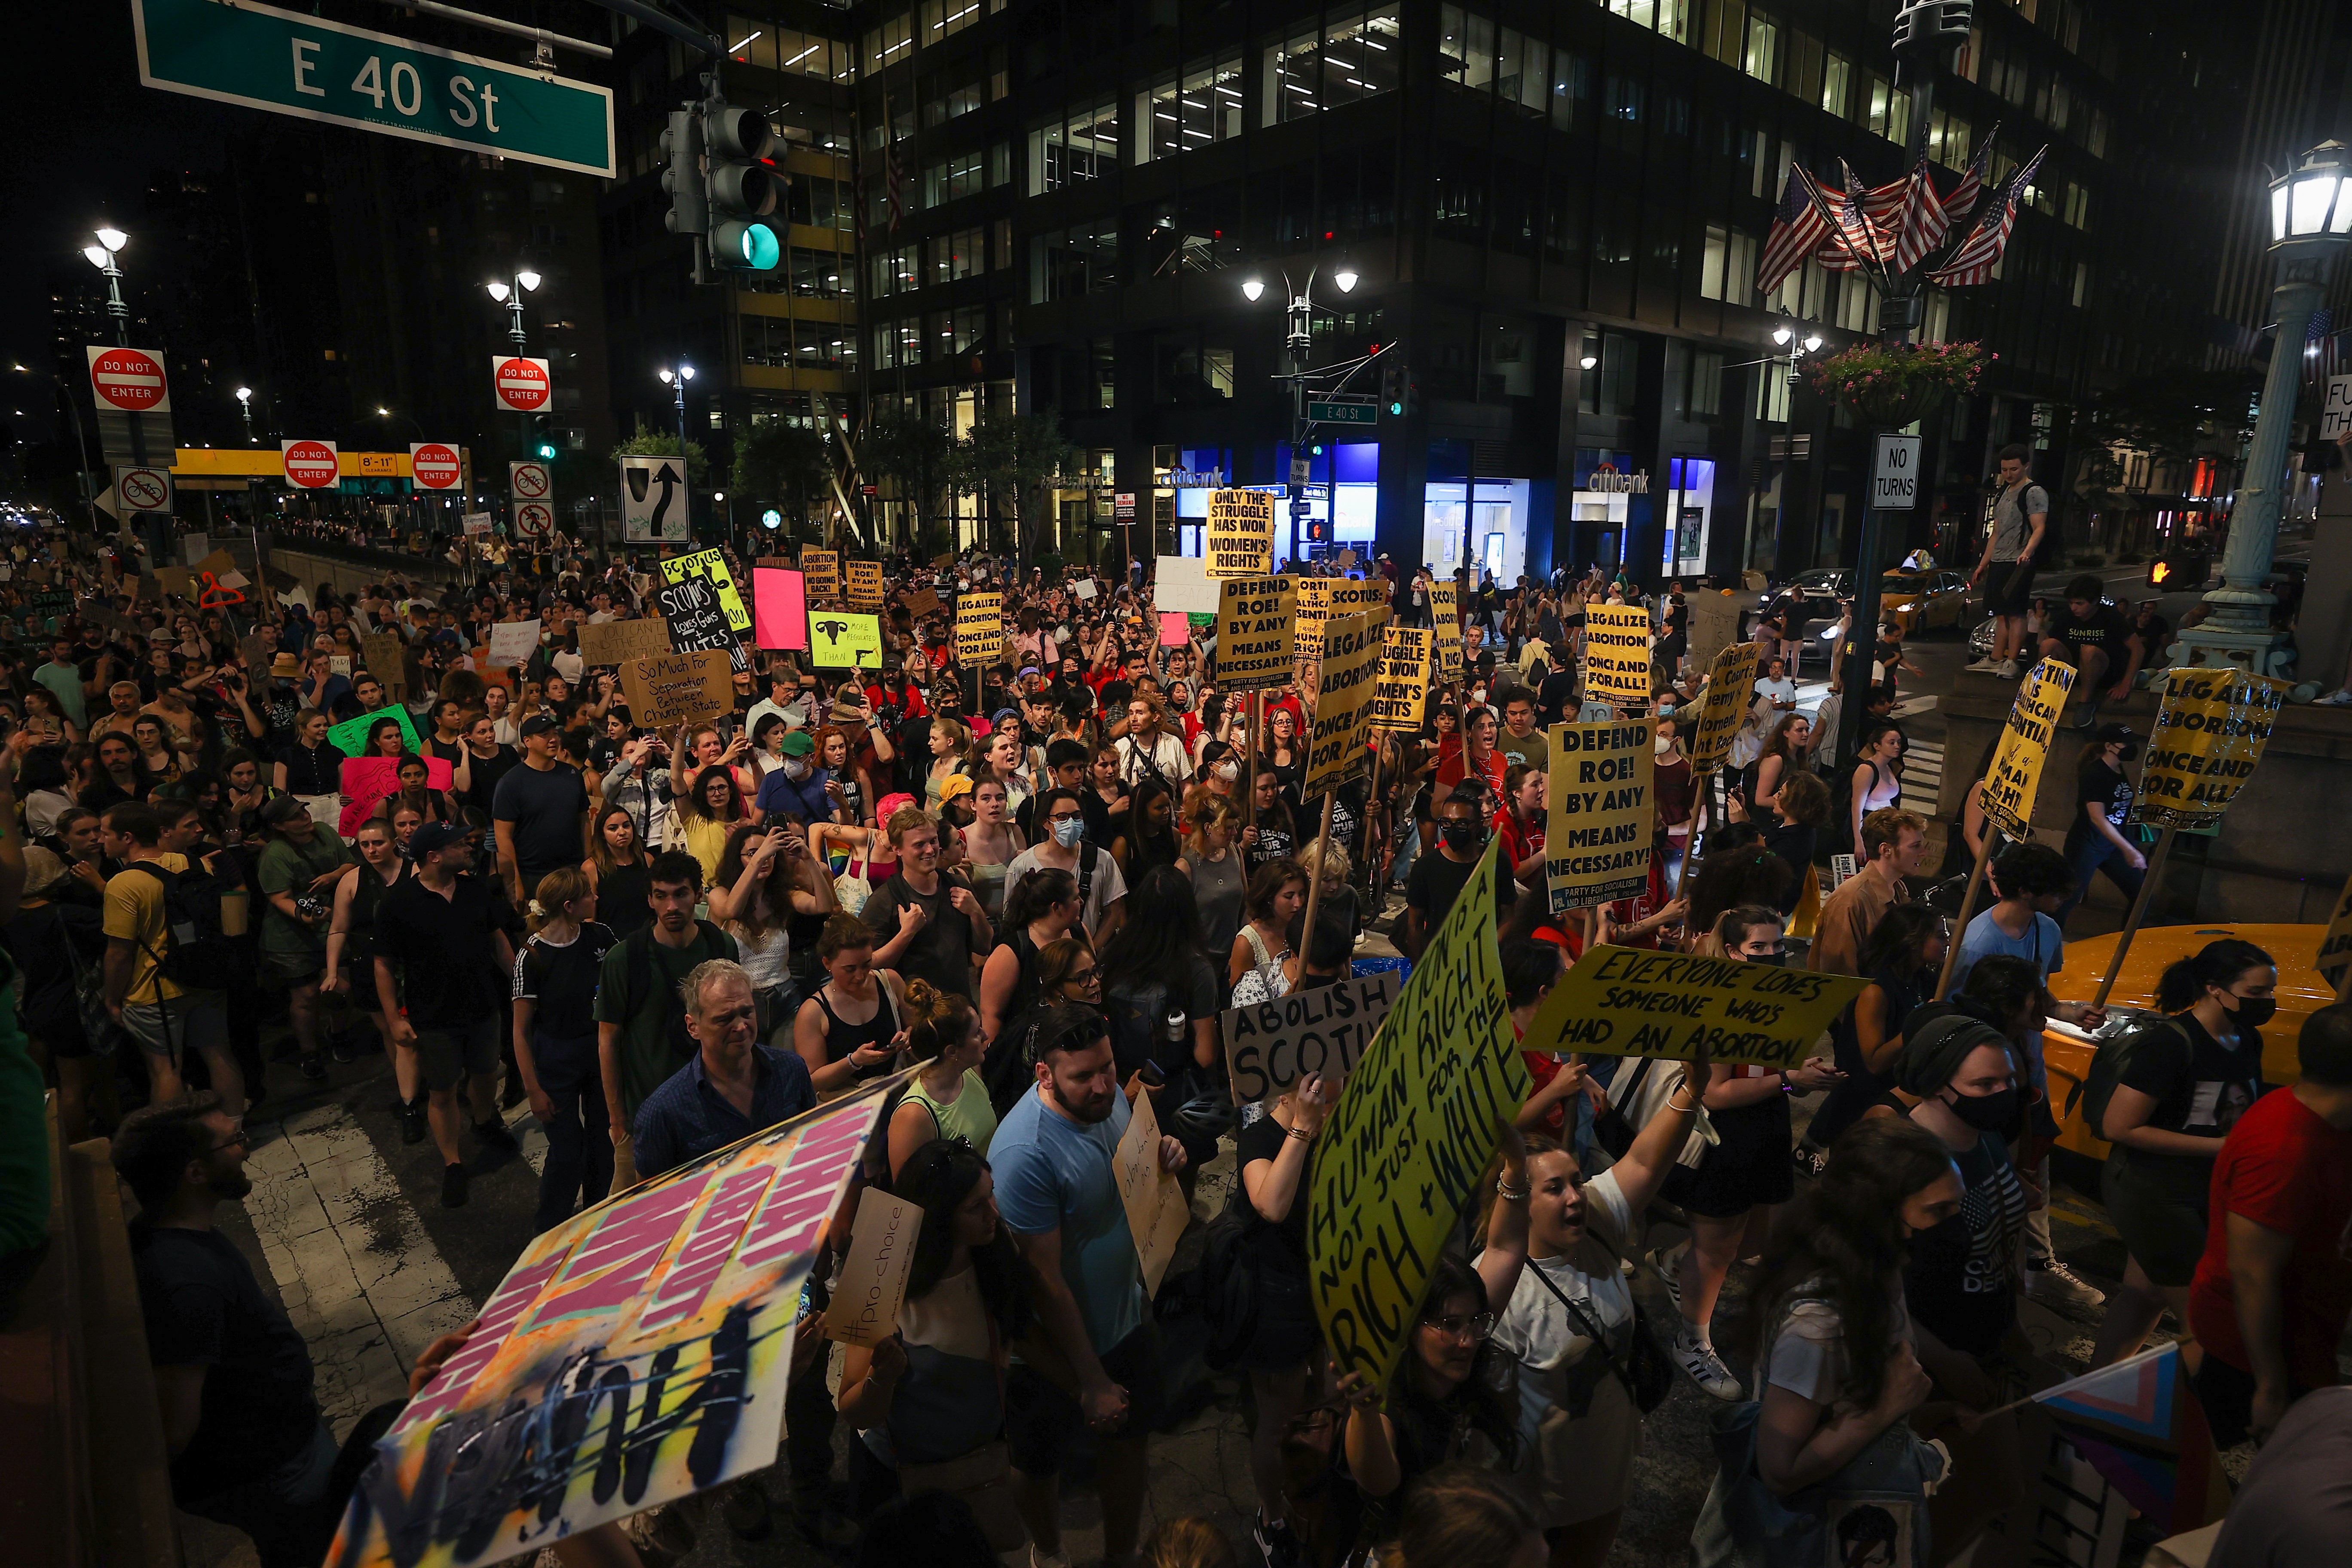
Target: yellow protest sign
x,y
842,640
1403,1150
1153,1198
823,569
1357,596
1446,620
1402,689
1617,655
980,625
2210,733
1240,539
2015,776
1631,1002
1730,688
866,585
1256,631
712,565
1342,709
1603,813
2334,955
1314,609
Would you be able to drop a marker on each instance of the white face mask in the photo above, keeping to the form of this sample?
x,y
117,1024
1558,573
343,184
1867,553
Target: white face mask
x,y
1663,744
1228,771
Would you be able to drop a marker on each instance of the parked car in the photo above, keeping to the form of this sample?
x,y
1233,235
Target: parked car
x,y
1921,601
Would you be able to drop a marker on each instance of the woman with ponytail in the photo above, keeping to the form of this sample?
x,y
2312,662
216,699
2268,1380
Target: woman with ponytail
x,y
2178,1088
946,1099
555,1042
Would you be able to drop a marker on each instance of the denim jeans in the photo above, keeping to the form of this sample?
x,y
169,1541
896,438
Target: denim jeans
x,y
2093,852
578,1142
1408,844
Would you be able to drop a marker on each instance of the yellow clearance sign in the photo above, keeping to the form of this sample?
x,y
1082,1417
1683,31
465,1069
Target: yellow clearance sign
x,y
1337,753
1730,688
2209,733
1631,1002
1617,655
1256,627
1445,619
712,565
2015,776
1402,1152
1597,835
1401,693
979,627
1241,534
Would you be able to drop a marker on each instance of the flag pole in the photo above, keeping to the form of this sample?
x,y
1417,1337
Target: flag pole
x,y
2139,913
1967,903
1314,883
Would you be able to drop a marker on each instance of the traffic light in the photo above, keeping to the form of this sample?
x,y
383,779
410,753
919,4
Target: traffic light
x,y
690,202
743,188
1392,389
545,450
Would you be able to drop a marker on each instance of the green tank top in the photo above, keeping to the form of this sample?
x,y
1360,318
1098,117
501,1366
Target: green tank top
x,y
969,1116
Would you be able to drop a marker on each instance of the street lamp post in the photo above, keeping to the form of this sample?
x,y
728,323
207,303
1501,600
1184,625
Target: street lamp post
x,y
677,380
1298,339
111,240
2311,223
509,294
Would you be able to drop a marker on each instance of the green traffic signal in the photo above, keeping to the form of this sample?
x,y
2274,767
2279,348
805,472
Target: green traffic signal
x,y
1396,407
547,451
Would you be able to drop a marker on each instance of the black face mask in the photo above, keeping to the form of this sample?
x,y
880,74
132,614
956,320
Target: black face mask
x,y
1986,1113
2254,1012
1464,836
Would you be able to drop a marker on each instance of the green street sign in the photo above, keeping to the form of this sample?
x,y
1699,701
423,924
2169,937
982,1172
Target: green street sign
x,y
1343,413
266,59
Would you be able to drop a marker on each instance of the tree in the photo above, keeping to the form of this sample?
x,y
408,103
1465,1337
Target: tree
x,y
788,466
916,455
1014,458
2171,415
649,442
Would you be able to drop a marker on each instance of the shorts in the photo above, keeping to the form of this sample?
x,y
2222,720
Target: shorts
x,y
1041,1416
1750,1166
291,969
196,1019
2162,1222
448,1055
1285,1335
1999,599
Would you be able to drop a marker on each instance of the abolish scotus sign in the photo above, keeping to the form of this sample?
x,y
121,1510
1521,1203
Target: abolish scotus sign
x,y
1272,1045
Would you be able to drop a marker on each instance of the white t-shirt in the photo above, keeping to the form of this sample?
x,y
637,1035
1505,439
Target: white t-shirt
x,y
1808,1357
1167,753
1535,1328
1781,690
1104,888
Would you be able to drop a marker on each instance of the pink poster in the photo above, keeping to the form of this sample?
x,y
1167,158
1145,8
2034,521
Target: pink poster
x,y
778,607
1175,628
369,781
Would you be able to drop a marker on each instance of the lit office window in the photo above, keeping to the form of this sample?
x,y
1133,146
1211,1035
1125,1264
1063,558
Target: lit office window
x,y
1352,58
1084,147
1197,108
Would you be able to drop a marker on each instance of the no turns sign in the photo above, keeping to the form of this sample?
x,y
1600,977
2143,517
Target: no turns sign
x,y
521,384
132,380
434,467
311,465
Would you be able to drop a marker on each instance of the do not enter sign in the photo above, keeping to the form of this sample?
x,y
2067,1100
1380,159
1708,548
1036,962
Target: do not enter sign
x,y
521,383
311,464
132,380
434,467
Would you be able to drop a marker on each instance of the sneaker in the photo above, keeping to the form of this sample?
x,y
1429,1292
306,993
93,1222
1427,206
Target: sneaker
x,y
1666,1263
494,1135
314,1067
1278,1543
2339,699
411,1121
2047,1279
2006,669
1698,1358
453,1186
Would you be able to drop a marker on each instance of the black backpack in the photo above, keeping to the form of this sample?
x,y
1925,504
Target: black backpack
x,y
2108,1064
196,950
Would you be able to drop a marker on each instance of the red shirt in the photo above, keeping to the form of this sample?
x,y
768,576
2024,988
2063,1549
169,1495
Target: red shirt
x,y
1519,840
1451,772
2287,1171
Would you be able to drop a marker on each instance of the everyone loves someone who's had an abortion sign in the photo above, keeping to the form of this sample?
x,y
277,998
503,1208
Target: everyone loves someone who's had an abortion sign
x,y
636,1354
1633,1002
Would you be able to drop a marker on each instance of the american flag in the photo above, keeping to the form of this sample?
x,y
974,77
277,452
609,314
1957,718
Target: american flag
x,y
1862,237
1920,225
1962,202
2322,347
1973,260
1881,203
1797,224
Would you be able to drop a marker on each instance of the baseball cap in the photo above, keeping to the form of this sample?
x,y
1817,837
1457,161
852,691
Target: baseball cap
x,y
538,725
434,836
798,743
281,809
2110,733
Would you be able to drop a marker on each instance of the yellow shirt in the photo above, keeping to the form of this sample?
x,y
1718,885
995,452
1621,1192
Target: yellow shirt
x,y
134,912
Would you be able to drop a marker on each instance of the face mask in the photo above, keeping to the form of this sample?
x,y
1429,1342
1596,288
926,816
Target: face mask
x,y
1067,832
795,768
1775,960
2254,1012
1464,837
1228,771
1985,1113
1663,744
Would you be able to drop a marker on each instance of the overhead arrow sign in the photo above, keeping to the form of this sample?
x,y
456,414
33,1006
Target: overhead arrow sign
x,y
653,501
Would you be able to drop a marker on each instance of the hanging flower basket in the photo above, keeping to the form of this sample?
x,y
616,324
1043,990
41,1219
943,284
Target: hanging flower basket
x,y
1888,387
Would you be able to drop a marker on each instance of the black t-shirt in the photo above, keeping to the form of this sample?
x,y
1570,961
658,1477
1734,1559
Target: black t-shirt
x,y
204,1308
2105,787
561,981
2155,634
1554,696
545,809
1959,1282
441,947
483,775
941,951
2201,1088
1794,843
1263,1139
2105,628
1436,881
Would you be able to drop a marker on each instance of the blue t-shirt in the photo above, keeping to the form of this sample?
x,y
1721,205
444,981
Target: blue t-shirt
x,y
2044,943
804,798
1054,1174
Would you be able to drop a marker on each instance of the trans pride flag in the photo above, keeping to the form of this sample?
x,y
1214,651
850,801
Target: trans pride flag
x,y
2140,1426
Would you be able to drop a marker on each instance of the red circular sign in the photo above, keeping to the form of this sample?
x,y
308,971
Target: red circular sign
x,y
434,467
311,464
521,384
128,380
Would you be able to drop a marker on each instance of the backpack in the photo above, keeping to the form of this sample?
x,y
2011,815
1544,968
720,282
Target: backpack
x,y
640,984
2108,1064
196,951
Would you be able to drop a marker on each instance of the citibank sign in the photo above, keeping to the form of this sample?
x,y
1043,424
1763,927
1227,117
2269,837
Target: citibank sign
x,y
1607,480
1192,479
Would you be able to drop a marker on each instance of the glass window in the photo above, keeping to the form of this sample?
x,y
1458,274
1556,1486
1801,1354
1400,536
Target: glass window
x,y
1890,110
1949,140
1069,263
1084,147
1197,108
752,43
1712,255
1705,383
891,42
1761,58
2078,207
1572,88
1189,372
958,177
944,18
1837,82
1354,58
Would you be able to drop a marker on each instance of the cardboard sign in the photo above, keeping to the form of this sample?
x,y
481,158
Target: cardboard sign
x,y
695,612
1723,707
1336,752
617,642
1182,583
1084,588
678,689
1175,628
1617,655
1401,693
1239,541
259,651
1603,813
2210,733
350,737
2336,414
1272,1045
691,1281
866,585
979,627
2334,955
823,570
712,565
386,659
513,642
1360,595
1157,1213
1402,1154
2015,776
1257,628
872,1284
1446,620
839,639
1631,1002
1314,609
923,602
780,607
368,782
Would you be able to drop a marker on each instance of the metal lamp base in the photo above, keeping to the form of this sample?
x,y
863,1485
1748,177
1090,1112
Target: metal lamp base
x,y
2213,645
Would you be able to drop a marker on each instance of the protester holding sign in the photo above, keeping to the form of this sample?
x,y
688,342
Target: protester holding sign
x,y
1272,1154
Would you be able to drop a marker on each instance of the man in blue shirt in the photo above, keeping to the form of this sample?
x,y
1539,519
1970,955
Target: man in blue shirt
x,y
732,1087
798,788
1058,1190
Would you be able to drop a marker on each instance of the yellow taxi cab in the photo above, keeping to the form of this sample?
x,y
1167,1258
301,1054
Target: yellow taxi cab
x,y
2067,1051
1916,601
